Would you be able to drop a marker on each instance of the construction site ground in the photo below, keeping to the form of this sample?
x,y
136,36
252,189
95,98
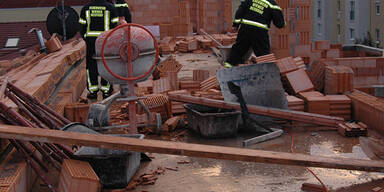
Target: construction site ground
x,y
201,174
231,176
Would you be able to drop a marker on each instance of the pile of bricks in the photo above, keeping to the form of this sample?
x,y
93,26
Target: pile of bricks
x,y
294,76
367,70
295,104
187,45
368,109
340,106
317,74
338,79
156,91
315,102
353,129
196,43
335,71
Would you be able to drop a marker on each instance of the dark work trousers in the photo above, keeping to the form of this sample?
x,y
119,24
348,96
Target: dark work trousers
x,y
92,72
249,36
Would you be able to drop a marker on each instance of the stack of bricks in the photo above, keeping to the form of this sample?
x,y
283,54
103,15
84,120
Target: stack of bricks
x,y
204,43
168,81
315,102
210,83
295,79
297,31
156,103
270,58
166,45
353,129
338,79
317,74
295,104
190,85
299,62
368,71
200,75
340,106
187,45
368,109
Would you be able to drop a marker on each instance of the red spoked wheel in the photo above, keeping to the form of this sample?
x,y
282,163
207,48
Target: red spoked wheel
x,y
129,53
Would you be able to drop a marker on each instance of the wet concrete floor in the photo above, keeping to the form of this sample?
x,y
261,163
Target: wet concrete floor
x,y
213,175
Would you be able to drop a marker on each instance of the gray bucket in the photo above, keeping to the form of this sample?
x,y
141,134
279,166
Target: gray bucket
x,y
260,85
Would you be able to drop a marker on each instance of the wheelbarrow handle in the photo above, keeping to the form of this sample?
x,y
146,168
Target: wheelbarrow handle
x,y
209,36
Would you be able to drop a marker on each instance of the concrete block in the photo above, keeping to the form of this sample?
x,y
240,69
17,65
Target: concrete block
x,y
260,85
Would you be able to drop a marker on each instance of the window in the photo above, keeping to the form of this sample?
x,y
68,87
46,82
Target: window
x,y
352,11
377,37
377,8
352,33
319,28
338,32
12,42
318,9
338,5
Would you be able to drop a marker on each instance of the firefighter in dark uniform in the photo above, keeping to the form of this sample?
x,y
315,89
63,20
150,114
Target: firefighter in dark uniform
x,y
254,18
123,10
95,18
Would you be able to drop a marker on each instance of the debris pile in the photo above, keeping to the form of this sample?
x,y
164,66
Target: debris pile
x,y
197,43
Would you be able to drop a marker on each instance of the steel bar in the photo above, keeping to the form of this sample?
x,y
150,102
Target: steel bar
x,y
28,159
28,97
22,107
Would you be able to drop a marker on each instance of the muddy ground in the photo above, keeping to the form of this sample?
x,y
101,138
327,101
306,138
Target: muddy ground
x,y
232,176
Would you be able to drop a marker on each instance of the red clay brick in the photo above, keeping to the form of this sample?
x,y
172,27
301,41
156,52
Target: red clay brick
x,y
299,81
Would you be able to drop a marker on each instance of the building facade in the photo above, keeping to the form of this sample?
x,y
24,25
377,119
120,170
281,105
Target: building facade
x,y
377,24
342,21
323,23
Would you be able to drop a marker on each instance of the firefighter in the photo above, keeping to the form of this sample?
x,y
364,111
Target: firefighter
x,y
123,11
95,18
254,17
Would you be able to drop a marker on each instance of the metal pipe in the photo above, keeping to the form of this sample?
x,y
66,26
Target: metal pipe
x,y
46,155
39,35
63,18
21,121
28,159
32,99
23,109
53,154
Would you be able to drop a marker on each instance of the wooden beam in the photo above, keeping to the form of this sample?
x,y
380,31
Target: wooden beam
x,y
185,149
260,110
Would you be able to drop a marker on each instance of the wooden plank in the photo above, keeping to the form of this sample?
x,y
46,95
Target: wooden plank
x,y
259,110
186,149
262,138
